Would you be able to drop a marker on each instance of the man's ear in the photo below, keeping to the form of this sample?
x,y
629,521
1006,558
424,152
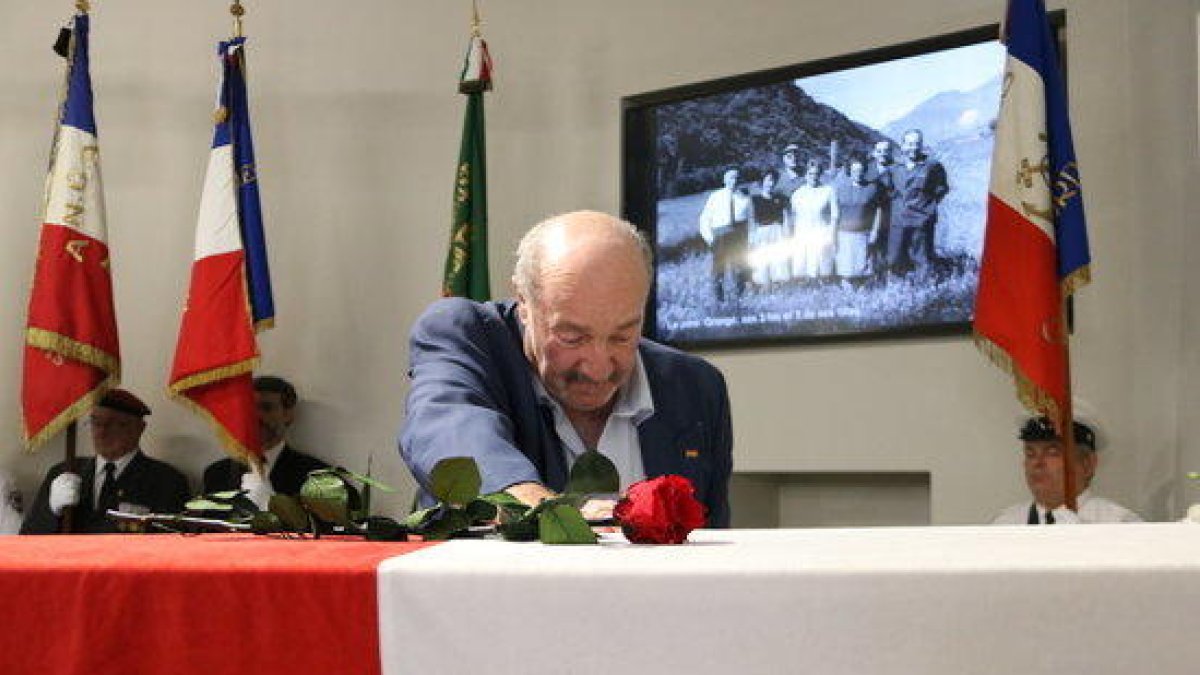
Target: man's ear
x,y
522,306
1088,462
289,415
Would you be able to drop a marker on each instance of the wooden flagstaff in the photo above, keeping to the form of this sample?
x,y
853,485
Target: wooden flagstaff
x,y
1066,418
236,9
66,524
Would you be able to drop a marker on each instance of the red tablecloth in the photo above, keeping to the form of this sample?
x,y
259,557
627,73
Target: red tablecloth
x,y
206,604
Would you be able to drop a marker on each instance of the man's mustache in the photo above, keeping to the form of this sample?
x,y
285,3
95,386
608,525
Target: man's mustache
x,y
576,377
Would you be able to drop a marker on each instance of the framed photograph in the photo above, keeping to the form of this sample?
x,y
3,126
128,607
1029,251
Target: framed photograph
x,y
842,198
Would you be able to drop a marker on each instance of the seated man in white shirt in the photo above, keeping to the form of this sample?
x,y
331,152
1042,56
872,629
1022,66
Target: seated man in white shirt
x,y
285,467
1044,474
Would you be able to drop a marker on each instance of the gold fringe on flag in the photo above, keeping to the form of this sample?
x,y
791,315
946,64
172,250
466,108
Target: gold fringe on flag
x,y
1031,396
62,345
75,411
178,392
1076,280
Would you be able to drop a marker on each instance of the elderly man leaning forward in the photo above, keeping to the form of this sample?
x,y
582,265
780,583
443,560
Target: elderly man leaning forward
x,y
1044,469
119,477
526,386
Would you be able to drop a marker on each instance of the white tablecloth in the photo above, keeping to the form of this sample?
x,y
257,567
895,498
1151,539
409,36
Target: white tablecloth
x,y
1006,600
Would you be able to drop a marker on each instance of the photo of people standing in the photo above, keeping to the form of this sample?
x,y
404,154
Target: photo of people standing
x,y
838,204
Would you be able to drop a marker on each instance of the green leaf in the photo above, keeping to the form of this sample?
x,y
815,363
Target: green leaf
x,y
503,499
330,510
289,511
265,522
365,480
326,496
450,523
510,508
455,480
323,484
481,511
564,524
523,529
380,528
203,504
225,495
417,520
593,473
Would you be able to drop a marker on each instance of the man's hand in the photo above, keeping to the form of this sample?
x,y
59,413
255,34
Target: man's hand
x,y
64,492
598,509
530,494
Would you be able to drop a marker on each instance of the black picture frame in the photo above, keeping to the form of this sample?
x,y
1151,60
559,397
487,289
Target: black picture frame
x,y
678,142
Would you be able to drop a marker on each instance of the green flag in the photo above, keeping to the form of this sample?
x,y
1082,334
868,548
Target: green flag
x,y
467,261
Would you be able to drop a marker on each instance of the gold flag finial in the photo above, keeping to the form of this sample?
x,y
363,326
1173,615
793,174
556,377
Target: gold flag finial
x,y
475,22
237,11
82,6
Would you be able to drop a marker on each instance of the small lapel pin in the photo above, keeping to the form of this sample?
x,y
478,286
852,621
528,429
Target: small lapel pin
x,y
691,453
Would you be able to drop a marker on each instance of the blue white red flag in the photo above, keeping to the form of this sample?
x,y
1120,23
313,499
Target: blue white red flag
x,y
230,291
72,352
1035,248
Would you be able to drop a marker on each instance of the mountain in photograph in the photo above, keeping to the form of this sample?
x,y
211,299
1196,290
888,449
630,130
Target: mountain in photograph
x,y
749,128
951,114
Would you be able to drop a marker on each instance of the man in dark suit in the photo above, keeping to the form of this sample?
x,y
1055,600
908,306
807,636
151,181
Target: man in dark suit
x,y
919,185
126,480
286,467
526,386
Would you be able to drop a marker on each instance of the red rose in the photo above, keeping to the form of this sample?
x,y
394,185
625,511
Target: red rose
x,y
661,510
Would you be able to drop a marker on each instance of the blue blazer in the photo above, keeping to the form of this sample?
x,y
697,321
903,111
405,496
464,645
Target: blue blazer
x,y
472,395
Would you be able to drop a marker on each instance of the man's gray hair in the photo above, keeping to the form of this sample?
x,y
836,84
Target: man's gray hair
x,y
527,272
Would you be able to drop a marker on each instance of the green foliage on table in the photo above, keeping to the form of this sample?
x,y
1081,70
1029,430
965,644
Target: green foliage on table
x,y
462,511
455,480
328,498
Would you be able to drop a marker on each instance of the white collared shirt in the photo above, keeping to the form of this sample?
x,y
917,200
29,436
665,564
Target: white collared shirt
x,y
619,442
1092,509
271,455
119,465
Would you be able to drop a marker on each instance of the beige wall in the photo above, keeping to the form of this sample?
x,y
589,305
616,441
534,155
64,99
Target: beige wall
x,y
357,125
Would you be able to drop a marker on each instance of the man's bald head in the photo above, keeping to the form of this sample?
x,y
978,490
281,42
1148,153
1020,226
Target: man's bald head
x,y
581,282
579,243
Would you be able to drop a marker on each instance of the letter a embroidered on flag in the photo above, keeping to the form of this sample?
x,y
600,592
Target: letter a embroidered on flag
x,y
230,292
1036,249
72,355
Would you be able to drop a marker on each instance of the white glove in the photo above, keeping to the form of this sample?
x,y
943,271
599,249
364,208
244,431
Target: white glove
x,y
64,492
257,490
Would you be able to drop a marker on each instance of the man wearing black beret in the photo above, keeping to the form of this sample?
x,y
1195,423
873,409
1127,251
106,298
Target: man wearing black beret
x,y
119,477
1043,451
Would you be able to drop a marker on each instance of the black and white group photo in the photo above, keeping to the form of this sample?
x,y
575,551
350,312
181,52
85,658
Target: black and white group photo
x,y
843,203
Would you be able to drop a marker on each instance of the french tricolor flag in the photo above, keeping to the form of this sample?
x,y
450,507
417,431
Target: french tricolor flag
x,y
72,352
1035,249
230,292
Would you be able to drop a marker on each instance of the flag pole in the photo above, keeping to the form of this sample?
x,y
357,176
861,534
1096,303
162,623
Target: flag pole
x,y
255,460
66,524
1066,419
